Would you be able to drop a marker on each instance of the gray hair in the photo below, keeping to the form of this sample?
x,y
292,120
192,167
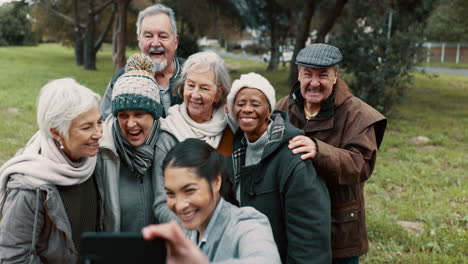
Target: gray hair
x,y
60,101
153,10
203,62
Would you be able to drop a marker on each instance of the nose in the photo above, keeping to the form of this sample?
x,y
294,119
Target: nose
x,y
314,82
97,132
196,93
155,42
180,204
131,122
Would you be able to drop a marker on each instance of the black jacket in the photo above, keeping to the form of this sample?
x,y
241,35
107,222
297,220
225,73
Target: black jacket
x,y
287,190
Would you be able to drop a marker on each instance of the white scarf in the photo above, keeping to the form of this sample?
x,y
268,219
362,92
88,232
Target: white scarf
x,y
42,162
179,124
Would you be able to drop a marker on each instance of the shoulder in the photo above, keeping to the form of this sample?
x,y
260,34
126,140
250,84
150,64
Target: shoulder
x,y
246,218
166,140
117,75
357,111
283,104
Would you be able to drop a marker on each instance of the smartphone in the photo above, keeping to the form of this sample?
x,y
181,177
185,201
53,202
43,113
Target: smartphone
x,y
124,247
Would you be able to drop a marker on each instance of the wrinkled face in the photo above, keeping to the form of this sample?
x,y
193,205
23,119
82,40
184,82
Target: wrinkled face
x,y
251,112
157,40
83,135
200,95
135,125
190,196
316,84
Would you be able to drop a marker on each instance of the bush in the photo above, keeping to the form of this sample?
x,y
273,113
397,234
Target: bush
x,y
255,49
187,46
231,46
380,66
15,26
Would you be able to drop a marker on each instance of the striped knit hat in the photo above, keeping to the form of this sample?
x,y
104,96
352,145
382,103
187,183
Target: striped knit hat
x,y
137,89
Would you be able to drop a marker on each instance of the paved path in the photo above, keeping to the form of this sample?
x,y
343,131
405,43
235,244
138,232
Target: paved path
x,y
443,70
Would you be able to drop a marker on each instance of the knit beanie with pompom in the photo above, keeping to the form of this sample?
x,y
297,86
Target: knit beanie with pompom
x,y
137,89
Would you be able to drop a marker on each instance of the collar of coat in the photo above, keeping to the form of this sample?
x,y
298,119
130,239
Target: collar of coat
x,y
339,95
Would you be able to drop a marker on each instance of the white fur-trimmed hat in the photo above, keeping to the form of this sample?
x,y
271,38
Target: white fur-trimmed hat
x,y
252,80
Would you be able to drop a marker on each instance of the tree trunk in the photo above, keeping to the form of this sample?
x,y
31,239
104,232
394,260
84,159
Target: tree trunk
x,y
119,35
301,37
78,35
274,38
90,52
327,25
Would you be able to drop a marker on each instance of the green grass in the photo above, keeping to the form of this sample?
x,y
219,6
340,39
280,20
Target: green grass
x,y
452,65
424,183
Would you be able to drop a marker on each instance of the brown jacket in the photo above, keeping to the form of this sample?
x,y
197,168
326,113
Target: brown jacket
x,y
348,133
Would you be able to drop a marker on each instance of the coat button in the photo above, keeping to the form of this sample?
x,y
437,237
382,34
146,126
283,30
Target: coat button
x,y
352,214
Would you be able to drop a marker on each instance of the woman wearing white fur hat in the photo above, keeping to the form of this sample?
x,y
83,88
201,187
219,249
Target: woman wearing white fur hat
x,y
47,193
274,181
127,152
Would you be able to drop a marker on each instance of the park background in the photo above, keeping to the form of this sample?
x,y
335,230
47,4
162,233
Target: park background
x,y
416,199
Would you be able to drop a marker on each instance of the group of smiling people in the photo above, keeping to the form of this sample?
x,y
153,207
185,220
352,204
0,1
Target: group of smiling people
x,y
218,164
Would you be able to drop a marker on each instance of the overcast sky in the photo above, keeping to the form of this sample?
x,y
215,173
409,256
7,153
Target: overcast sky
x,y
4,1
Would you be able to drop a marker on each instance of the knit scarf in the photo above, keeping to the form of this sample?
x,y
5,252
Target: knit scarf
x,y
42,162
182,126
139,159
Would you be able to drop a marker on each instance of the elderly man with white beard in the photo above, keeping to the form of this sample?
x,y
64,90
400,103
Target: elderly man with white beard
x,y
157,38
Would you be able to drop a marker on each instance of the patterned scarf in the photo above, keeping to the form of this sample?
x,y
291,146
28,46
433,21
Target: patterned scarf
x,y
139,159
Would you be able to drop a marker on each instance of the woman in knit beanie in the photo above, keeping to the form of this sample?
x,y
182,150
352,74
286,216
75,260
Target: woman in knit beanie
x,y
125,164
270,178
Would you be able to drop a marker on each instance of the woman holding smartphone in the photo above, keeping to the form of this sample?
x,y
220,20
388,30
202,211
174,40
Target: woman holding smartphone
x,y
200,194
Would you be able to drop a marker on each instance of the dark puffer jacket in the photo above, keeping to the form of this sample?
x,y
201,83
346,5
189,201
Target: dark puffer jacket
x,y
287,190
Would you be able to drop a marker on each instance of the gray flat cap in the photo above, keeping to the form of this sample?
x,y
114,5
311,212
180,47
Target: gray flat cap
x,y
319,56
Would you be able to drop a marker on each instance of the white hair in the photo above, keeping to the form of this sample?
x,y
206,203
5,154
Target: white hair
x,y
60,101
205,61
154,10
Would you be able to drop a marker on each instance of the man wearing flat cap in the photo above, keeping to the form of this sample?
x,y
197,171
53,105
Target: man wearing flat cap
x,y
342,136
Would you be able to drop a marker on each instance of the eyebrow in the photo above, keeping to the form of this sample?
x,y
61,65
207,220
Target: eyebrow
x,y
183,187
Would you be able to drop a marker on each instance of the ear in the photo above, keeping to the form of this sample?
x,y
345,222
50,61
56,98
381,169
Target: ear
x,y
216,183
219,94
57,136
336,76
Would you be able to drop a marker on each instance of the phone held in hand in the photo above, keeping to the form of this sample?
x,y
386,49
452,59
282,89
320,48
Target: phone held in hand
x,y
124,247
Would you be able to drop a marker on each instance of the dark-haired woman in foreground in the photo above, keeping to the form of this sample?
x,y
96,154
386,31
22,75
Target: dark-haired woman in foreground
x,y
200,194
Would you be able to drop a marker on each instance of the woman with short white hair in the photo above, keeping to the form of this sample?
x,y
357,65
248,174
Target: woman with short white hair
x,y
204,86
48,196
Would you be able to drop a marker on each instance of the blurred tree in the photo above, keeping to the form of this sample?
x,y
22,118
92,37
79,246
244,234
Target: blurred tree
x,y
381,47
448,22
120,34
15,24
273,17
329,13
77,23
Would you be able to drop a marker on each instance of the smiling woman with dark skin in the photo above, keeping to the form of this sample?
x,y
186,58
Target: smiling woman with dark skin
x,y
274,181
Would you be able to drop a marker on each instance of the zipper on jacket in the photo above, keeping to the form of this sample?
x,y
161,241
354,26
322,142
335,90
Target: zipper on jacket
x,y
142,188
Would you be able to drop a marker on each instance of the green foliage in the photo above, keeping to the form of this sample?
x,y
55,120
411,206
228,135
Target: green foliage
x,y
187,46
15,25
448,22
380,60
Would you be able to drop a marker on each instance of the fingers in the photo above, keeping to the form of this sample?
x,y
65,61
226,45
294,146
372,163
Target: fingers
x,y
169,231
